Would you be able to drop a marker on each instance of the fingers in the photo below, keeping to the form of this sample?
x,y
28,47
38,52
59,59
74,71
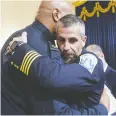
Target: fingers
x,y
8,50
10,44
22,38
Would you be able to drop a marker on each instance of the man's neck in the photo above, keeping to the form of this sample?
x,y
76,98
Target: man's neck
x,y
47,24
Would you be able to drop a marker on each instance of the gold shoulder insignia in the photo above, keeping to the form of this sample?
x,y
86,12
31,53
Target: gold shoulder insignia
x,y
28,59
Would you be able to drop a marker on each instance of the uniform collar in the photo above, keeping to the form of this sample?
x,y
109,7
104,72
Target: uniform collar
x,y
49,36
83,50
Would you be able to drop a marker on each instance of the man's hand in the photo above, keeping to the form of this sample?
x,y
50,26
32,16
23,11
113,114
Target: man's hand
x,y
13,43
105,99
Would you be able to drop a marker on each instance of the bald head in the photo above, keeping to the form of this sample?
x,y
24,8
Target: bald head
x,y
59,4
63,6
96,50
51,11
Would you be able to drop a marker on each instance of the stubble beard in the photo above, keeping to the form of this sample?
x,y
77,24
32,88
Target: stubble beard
x,y
70,60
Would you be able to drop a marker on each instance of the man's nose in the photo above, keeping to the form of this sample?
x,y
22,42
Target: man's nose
x,y
66,47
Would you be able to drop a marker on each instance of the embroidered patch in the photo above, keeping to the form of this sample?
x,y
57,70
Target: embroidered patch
x,y
88,61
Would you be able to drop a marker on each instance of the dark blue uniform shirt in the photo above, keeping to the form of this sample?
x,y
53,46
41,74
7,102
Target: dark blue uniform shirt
x,y
51,77
22,94
111,80
79,88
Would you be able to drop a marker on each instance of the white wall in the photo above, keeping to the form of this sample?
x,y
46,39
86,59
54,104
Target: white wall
x,y
16,15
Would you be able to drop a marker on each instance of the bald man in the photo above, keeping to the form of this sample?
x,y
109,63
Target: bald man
x,y
14,98
23,95
110,78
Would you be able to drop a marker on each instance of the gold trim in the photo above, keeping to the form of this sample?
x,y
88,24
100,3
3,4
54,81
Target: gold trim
x,y
79,2
29,60
97,9
27,72
24,59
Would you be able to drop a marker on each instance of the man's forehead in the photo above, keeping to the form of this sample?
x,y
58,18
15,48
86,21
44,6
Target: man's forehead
x,y
70,29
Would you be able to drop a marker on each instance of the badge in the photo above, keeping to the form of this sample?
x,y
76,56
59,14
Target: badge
x,y
88,61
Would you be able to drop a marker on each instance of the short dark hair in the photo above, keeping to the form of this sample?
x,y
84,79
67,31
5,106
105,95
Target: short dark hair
x,y
69,20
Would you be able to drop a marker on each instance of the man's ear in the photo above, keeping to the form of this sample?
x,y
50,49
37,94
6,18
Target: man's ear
x,y
84,41
102,55
56,14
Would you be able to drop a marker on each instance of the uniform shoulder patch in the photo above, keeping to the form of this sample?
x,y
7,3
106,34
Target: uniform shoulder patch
x,y
88,61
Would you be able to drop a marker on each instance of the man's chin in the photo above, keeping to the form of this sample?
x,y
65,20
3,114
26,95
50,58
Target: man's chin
x,y
69,60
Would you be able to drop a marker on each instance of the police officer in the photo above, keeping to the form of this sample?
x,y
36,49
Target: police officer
x,y
30,69
111,73
71,39
110,76
39,32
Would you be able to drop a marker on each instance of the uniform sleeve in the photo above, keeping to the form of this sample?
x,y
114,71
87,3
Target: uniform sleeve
x,y
96,110
63,109
52,73
111,80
